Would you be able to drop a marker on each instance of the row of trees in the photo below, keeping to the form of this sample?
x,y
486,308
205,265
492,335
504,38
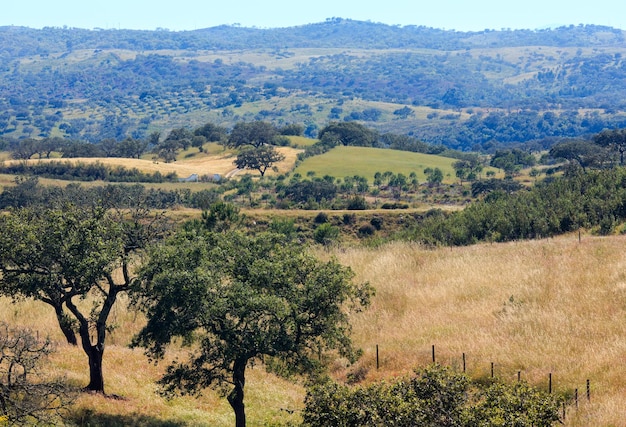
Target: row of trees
x,y
592,199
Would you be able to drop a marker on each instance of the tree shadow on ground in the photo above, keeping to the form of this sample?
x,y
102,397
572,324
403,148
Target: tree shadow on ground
x,y
87,417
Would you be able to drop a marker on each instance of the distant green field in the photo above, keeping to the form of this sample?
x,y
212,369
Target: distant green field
x,y
301,141
363,161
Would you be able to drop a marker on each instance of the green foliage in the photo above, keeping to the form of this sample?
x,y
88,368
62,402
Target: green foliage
x,y
255,133
85,172
357,203
260,158
435,396
592,199
303,191
326,233
434,176
583,153
348,133
239,299
60,255
221,216
284,226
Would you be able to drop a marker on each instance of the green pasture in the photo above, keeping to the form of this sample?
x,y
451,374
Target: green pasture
x,y
364,161
301,141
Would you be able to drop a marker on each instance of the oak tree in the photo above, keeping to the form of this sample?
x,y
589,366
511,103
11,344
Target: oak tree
x,y
243,300
260,159
61,256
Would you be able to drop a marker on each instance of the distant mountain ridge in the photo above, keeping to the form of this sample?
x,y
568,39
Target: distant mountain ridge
x,y
461,89
336,32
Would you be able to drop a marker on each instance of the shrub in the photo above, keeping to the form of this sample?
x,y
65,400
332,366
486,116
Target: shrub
x,y
434,396
366,230
357,203
377,222
349,218
321,218
395,205
325,234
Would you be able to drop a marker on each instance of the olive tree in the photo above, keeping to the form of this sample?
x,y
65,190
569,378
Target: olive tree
x,y
241,300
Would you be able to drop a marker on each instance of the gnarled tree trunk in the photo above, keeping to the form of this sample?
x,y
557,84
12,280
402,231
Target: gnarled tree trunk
x,y
235,398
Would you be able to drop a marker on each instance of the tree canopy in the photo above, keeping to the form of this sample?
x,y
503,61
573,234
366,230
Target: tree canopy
x,y
60,255
243,299
260,159
255,133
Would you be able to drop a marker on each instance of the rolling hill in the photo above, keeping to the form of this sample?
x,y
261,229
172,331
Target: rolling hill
x,y
464,90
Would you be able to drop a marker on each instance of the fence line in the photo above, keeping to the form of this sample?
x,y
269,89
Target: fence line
x,y
575,401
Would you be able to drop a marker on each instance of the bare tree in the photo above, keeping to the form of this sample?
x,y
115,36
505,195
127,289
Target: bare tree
x,y
26,395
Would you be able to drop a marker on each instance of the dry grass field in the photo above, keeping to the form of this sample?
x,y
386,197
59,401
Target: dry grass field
x,y
188,163
548,306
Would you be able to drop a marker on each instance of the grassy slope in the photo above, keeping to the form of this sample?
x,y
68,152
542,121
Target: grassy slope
x,y
543,306
188,162
349,161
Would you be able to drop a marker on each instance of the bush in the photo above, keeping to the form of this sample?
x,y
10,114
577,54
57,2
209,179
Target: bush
x,y
325,234
395,205
377,222
321,218
434,396
349,218
357,203
366,230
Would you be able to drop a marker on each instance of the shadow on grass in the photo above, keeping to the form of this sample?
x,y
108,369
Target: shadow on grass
x,y
89,418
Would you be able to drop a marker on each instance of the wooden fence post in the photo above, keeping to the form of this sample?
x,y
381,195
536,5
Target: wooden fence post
x,y
433,354
377,359
463,362
550,383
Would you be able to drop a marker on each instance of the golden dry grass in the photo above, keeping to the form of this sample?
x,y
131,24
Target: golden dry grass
x,y
549,306
188,164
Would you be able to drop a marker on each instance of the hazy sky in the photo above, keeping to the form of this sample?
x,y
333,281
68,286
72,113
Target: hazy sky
x,y
462,15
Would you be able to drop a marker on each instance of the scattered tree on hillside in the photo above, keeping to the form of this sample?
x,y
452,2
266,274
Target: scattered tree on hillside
x,y
209,132
131,148
260,159
583,153
434,176
60,256
243,300
349,133
613,139
255,133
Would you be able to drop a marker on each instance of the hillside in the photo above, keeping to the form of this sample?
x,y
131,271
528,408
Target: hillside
x,y
363,161
538,307
200,164
464,90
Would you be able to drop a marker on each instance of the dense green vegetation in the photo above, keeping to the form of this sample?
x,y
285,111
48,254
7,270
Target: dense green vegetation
x,y
478,89
434,396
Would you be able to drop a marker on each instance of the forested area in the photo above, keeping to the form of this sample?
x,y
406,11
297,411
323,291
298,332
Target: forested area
x,y
505,86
